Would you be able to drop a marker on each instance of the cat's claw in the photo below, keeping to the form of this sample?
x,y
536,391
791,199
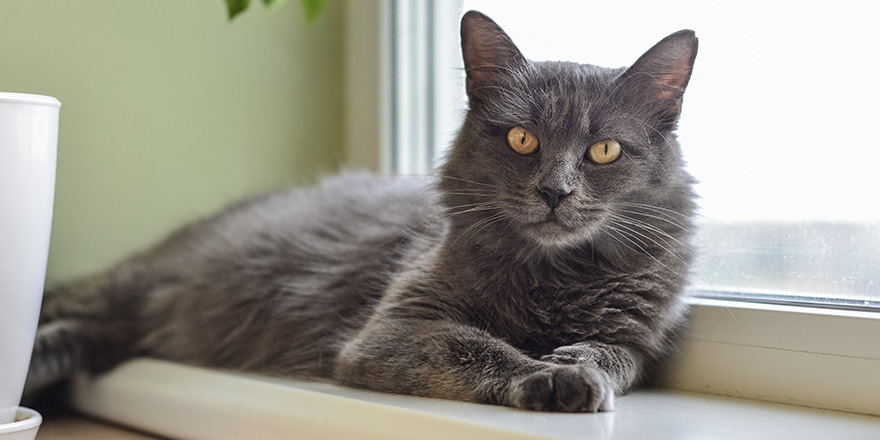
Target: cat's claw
x,y
564,388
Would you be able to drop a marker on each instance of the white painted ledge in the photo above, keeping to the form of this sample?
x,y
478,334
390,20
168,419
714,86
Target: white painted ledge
x,y
819,358
183,402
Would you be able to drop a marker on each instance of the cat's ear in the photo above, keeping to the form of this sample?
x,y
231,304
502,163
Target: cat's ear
x,y
663,72
487,51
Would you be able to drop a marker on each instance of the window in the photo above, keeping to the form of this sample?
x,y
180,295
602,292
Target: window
x,y
777,127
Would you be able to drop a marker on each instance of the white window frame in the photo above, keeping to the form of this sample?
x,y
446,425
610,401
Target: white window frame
x,y
820,357
398,120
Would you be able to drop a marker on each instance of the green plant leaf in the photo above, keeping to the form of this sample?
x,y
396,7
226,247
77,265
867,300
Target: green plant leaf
x,y
312,8
235,7
272,4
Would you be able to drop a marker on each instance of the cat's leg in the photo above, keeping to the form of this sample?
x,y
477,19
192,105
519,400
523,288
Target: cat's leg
x,y
622,363
445,359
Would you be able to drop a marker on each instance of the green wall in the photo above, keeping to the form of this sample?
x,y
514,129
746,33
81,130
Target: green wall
x,y
170,111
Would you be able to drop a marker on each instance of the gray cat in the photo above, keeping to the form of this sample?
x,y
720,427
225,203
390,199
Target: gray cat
x,y
542,268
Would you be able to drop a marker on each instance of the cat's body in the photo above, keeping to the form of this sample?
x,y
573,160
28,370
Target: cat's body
x,y
545,279
240,290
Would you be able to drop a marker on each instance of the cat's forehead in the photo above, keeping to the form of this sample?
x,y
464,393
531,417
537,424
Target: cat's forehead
x,y
573,76
564,94
553,97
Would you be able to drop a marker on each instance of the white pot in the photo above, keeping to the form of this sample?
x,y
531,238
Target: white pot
x,y
28,142
25,426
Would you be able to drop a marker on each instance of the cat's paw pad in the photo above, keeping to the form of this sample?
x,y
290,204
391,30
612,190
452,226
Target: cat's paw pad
x,y
565,388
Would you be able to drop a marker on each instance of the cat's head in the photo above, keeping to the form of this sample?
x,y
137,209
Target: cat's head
x,y
554,155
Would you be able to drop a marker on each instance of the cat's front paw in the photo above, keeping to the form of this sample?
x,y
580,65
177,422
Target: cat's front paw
x,y
570,355
564,388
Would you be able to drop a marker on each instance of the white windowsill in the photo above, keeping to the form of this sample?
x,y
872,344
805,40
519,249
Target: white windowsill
x,y
191,403
807,357
818,358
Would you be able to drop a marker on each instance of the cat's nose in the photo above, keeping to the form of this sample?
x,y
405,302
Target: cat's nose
x,y
554,196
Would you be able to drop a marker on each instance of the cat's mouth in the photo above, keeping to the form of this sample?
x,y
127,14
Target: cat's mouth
x,y
564,228
554,224
553,220
550,218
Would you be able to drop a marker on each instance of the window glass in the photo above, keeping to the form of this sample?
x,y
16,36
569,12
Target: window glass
x,y
779,127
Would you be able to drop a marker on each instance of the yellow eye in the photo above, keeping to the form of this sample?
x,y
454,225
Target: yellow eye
x,y
605,151
522,141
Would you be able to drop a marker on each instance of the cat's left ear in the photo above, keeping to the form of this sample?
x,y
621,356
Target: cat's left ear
x,y
663,72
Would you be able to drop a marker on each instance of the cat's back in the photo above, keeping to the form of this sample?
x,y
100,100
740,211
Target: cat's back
x,y
354,214
312,261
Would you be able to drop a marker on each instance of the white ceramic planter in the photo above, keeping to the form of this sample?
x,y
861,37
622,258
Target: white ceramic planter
x,y
28,141
25,426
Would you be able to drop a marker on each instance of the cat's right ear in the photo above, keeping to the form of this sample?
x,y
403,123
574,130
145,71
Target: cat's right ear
x,y
487,51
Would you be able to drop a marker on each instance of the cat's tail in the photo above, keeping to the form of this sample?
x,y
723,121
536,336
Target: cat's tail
x,y
85,326
60,350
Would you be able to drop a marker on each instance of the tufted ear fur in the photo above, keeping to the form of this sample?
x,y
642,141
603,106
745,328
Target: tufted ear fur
x,y
661,75
487,51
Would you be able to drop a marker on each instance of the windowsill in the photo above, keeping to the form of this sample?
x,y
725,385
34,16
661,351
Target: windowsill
x,y
812,357
186,402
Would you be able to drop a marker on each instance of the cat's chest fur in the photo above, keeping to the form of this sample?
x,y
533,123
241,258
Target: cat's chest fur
x,y
538,307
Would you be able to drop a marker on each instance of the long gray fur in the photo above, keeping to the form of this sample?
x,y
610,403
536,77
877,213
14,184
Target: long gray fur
x,y
467,285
